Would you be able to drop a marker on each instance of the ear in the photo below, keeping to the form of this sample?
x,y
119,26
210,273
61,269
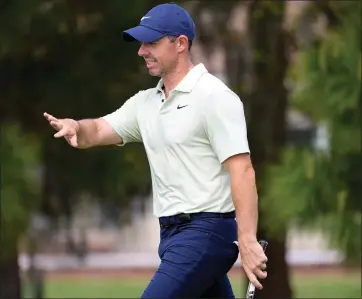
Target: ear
x,y
182,43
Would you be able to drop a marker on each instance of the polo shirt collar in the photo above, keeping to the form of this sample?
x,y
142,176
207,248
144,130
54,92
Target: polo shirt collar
x,y
190,80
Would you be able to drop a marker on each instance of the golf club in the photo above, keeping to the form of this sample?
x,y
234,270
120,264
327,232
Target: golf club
x,y
251,288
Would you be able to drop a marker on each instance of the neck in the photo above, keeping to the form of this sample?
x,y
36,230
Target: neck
x,y
172,79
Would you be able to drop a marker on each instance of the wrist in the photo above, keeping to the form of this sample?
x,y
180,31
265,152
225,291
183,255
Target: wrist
x,y
77,127
246,238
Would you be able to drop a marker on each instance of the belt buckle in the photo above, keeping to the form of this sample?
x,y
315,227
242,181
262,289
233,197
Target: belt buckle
x,y
184,217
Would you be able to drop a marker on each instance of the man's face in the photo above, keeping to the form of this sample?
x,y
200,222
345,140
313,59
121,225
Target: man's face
x,y
160,56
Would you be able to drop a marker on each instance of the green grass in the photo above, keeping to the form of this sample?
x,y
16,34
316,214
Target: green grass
x,y
304,286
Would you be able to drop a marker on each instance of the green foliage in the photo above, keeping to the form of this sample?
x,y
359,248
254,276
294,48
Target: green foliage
x,y
73,63
20,184
324,188
328,80
293,189
309,191
15,17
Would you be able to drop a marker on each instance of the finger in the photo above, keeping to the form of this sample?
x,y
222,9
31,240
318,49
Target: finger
x,y
263,266
61,133
73,141
264,259
56,125
50,117
261,274
252,278
261,262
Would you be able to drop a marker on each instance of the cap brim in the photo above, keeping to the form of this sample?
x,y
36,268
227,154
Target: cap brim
x,y
142,34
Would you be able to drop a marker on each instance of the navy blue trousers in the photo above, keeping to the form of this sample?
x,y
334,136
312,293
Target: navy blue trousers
x,y
195,259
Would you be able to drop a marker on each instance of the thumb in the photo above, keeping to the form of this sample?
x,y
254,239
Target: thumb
x,y
73,141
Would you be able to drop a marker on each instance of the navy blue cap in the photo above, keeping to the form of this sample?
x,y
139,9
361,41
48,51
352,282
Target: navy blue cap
x,y
162,20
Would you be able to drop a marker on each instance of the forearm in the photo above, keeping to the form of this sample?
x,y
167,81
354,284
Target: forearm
x,y
245,199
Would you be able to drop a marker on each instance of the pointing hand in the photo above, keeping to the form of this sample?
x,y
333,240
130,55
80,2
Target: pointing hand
x,y
66,128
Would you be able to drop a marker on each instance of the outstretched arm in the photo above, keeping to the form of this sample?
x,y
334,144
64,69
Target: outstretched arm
x,y
84,133
118,127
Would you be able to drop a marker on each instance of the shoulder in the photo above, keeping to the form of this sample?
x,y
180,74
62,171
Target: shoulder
x,y
143,96
215,92
139,99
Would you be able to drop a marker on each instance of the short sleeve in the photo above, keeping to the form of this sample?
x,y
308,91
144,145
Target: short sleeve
x,y
225,124
124,120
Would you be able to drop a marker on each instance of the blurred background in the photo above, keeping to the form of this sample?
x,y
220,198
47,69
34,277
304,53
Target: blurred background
x,y
79,223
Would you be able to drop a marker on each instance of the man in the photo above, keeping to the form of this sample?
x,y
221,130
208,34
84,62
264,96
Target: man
x,y
194,132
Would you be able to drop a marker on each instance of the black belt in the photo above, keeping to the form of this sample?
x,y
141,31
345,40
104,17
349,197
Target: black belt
x,y
167,221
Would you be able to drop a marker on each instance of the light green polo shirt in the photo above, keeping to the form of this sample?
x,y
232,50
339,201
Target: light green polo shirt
x,y
186,138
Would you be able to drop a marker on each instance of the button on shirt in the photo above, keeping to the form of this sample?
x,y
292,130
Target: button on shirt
x,y
187,137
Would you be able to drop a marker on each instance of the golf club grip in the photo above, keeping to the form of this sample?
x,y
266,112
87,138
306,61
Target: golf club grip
x,y
263,244
251,288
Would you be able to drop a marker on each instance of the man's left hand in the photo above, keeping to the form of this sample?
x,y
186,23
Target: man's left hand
x,y
253,261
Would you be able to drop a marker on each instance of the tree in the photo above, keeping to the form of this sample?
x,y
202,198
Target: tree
x,y
67,58
266,106
19,191
325,183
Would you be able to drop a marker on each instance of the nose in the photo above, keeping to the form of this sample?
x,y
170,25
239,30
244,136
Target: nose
x,y
142,50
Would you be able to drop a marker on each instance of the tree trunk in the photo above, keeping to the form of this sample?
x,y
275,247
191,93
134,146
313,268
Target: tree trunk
x,y
266,106
10,278
9,269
